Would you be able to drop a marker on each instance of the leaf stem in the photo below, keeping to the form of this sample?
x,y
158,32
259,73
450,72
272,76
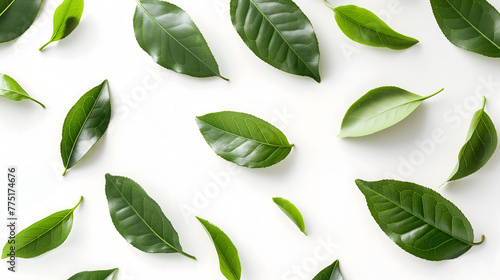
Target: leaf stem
x,y
80,201
187,255
40,49
429,96
484,102
480,242
65,169
40,103
224,78
328,4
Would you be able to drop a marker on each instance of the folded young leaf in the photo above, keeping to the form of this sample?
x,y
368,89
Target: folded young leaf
x,y
292,212
229,261
279,33
244,139
469,24
95,275
4,5
42,236
379,109
66,18
364,27
17,18
85,124
332,272
418,219
12,90
479,146
172,39
139,219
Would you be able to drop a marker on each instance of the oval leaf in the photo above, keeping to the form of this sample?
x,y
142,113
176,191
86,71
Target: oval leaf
x,y
379,109
12,90
418,219
244,139
15,20
95,275
42,236
85,124
480,145
229,261
291,211
66,18
139,219
332,272
469,24
279,33
364,27
4,5
172,39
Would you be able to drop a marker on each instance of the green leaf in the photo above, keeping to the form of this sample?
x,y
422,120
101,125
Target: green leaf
x,y
229,261
4,5
479,146
469,24
15,20
95,275
42,236
278,33
364,27
379,109
332,272
85,124
12,90
172,39
418,219
66,18
291,211
139,219
244,139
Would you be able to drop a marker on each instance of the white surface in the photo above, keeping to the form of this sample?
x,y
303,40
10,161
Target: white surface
x,y
154,140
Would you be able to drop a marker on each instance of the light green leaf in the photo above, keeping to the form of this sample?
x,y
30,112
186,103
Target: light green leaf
x,y
95,275
291,211
332,272
379,109
66,18
12,90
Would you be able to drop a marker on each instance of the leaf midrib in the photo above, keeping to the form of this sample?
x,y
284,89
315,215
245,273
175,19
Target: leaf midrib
x,y
282,37
473,26
140,217
246,138
226,260
175,39
6,8
427,222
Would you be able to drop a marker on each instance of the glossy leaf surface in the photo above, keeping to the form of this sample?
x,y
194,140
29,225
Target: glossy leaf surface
x,y
472,25
278,33
42,236
139,219
364,27
85,124
95,275
229,261
66,18
18,18
4,5
12,90
379,109
418,219
332,272
291,211
479,146
172,39
244,139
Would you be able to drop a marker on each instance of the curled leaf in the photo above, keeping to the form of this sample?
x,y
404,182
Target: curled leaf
x,y
12,90
291,211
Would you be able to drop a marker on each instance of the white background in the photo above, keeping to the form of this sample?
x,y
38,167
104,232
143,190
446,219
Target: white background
x,y
153,139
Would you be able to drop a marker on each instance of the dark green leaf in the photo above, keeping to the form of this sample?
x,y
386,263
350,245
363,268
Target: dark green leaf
x,y
95,275
379,109
18,18
291,211
66,18
364,27
139,219
332,272
4,5
42,236
469,24
418,219
279,33
244,139
229,261
479,146
85,124
172,39
12,90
